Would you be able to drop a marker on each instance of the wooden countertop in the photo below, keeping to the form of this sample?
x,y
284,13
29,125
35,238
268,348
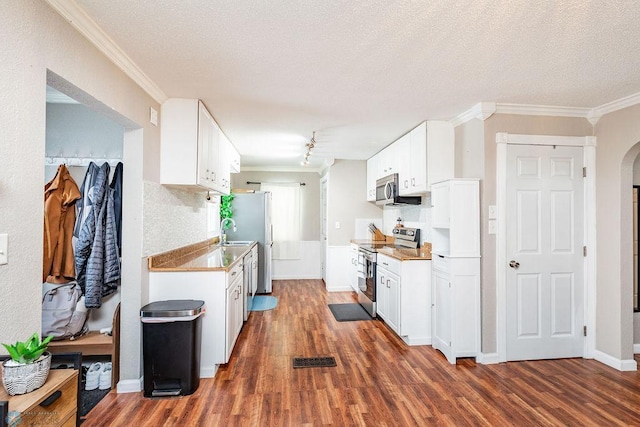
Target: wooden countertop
x,y
403,254
406,254
203,256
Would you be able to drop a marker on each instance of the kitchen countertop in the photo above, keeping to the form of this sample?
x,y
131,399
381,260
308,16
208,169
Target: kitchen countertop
x,y
403,254
203,256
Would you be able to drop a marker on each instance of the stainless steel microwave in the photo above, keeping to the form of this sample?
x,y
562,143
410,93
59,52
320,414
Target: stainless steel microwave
x,y
387,192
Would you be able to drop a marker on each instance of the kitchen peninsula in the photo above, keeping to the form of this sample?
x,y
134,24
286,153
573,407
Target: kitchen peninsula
x,y
211,272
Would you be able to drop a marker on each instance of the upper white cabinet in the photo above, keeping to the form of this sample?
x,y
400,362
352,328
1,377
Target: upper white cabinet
x,y
372,176
455,218
190,147
421,157
388,161
234,159
224,166
428,156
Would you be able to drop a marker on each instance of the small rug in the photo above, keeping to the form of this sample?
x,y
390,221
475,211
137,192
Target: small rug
x,y
313,362
264,302
90,398
348,312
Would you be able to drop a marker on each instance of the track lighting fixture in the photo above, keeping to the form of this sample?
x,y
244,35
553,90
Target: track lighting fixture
x,y
310,145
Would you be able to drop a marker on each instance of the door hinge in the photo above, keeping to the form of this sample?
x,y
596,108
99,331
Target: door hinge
x,y
584,172
584,251
584,330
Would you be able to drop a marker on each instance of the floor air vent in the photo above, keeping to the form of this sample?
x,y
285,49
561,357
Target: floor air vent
x,y
313,362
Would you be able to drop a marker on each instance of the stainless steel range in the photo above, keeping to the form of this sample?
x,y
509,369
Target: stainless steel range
x,y
367,278
408,238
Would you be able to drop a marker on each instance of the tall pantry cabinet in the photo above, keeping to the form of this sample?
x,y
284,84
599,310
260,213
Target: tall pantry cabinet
x,y
456,268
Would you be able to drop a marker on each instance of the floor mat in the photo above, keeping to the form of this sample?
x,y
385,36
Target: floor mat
x,y
349,312
264,302
313,362
90,398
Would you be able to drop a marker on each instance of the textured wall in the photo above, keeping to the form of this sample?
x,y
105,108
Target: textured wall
x,y
38,45
172,218
618,136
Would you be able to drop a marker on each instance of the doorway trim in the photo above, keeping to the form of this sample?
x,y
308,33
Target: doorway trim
x,y
589,158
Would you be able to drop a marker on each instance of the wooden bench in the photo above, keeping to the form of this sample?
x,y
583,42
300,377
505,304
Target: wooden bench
x,y
96,344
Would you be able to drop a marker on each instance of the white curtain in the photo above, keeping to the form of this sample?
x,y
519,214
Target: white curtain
x,y
285,218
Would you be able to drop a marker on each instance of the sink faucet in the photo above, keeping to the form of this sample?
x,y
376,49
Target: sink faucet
x,y
223,232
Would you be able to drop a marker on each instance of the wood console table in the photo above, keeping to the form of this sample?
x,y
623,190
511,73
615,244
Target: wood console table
x,y
61,412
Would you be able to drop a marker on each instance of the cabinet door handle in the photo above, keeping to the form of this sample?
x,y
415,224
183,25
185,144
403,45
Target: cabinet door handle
x,y
413,182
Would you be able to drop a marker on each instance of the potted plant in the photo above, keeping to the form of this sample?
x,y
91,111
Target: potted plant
x,y
28,368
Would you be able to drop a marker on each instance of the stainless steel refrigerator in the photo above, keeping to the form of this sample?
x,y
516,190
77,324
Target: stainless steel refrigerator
x,y
252,214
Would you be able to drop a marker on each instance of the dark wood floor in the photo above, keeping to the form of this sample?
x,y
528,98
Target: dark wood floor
x,y
378,380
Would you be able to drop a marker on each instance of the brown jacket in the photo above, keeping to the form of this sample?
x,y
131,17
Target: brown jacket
x,y
60,196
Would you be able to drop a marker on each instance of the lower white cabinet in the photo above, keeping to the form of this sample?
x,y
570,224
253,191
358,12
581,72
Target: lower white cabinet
x,y
235,310
353,271
456,306
222,293
403,297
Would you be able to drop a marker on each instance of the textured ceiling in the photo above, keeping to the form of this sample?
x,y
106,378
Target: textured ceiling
x,y
363,72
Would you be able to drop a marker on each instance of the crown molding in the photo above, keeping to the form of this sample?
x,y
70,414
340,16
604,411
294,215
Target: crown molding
x,y
482,111
612,106
81,21
542,110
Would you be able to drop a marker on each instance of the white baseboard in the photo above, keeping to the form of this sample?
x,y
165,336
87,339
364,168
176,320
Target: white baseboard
x,y
614,362
340,289
296,277
636,348
416,340
208,372
488,358
129,386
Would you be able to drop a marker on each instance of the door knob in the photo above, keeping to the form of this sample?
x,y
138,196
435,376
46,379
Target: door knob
x,y
514,264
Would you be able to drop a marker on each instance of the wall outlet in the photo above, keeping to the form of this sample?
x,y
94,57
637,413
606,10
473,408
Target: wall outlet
x,y
492,226
337,224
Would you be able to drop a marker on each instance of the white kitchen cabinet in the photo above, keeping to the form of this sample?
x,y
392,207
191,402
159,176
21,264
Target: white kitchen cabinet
x,y
456,267
190,153
235,309
224,167
353,271
372,176
403,297
427,154
388,297
234,158
456,307
224,313
388,161
455,218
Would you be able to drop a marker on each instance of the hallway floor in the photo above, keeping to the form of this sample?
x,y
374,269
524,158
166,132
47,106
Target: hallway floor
x,y
378,380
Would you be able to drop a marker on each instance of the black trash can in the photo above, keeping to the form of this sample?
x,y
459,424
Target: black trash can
x,y
171,336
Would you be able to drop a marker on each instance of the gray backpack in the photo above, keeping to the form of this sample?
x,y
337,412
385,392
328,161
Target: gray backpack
x,y
63,312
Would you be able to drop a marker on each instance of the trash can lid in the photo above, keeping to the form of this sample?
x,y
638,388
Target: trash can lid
x,y
172,308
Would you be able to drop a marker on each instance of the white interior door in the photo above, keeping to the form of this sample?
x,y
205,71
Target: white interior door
x,y
544,228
